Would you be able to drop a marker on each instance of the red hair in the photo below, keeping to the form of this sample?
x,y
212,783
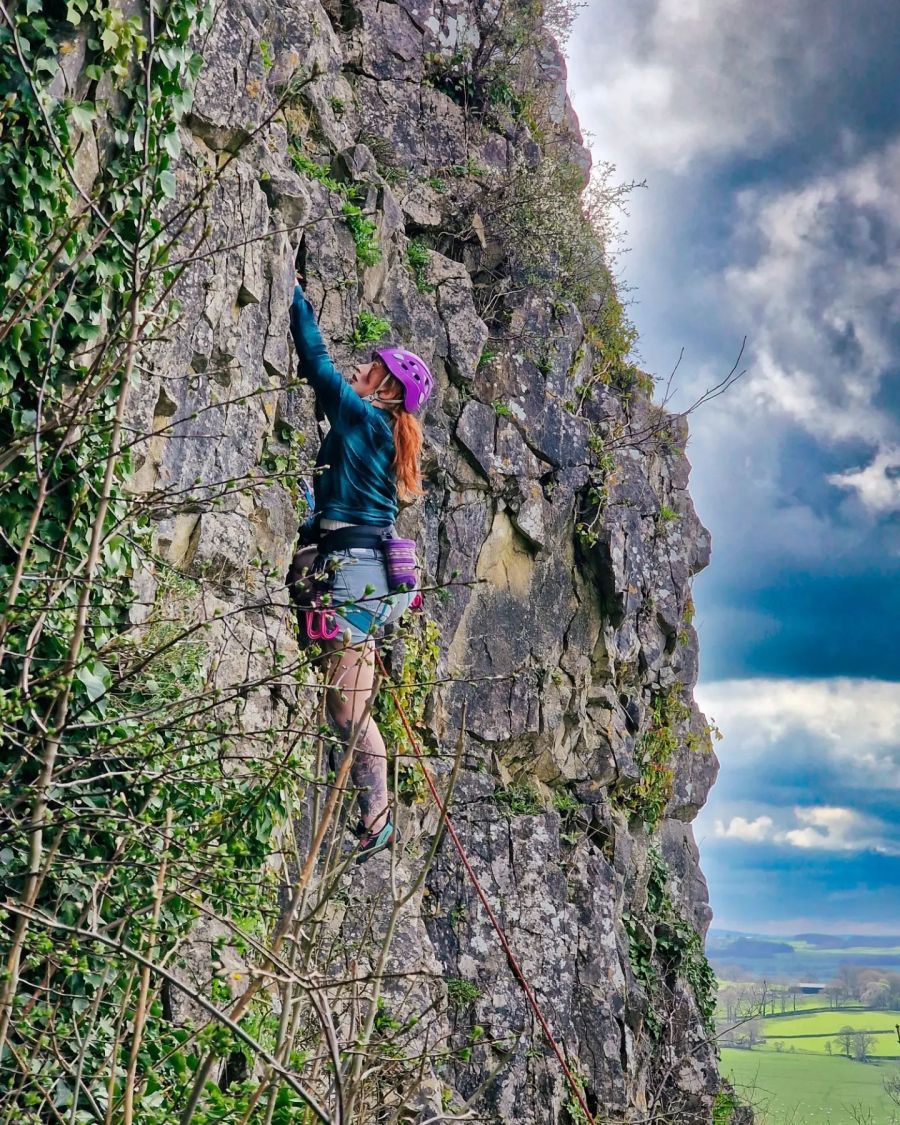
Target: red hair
x,y
407,444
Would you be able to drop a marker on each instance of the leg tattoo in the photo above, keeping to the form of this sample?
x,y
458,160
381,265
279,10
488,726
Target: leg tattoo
x,y
368,771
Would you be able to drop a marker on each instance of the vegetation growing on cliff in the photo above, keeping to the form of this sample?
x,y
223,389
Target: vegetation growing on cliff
x,y
663,948
161,781
126,813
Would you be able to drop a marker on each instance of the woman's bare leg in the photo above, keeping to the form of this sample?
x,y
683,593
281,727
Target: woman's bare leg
x,y
351,679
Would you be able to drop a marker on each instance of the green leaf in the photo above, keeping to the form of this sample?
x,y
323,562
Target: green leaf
x,y
83,115
167,184
96,680
172,143
48,66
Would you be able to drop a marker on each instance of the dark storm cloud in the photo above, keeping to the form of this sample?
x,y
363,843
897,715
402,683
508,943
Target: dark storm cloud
x,y
770,138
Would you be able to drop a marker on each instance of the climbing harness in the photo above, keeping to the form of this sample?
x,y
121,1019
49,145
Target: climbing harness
x,y
308,583
310,579
485,902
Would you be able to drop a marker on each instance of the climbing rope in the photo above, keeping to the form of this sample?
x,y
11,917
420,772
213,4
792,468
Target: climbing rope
x,y
479,890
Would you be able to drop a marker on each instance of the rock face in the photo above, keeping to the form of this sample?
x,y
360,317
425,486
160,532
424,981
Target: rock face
x,y
568,655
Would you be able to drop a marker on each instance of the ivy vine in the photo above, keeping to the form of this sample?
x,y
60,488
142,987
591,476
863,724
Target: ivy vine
x,y
123,811
663,945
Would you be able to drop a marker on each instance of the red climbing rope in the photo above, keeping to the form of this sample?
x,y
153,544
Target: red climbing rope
x,y
510,956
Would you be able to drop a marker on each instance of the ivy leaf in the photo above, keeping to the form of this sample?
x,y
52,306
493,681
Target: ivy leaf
x,y
96,679
172,143
83,115
167,184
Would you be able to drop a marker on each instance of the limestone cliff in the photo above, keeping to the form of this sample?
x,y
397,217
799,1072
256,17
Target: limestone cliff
x,y
557,526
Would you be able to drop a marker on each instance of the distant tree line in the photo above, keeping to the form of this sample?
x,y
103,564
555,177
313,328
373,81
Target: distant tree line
x,y
851,984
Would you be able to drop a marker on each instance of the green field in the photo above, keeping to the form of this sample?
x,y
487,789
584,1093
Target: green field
x,y
808,1089
818,1028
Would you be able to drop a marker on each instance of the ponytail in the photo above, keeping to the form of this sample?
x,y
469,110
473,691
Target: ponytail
x,y
407,447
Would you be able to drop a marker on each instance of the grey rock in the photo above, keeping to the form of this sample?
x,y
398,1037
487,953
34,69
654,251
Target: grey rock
x,y
554,648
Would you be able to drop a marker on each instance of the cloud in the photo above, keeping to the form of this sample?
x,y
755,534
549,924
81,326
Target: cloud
x,y
855,724
837,830
673,81
817,279
878,484
823,828
739,828
730,49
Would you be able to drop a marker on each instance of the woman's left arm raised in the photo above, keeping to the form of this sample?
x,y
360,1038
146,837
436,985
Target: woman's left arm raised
x,y
342,406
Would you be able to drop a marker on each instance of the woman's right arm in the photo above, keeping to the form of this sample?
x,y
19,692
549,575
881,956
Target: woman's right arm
x,y
340,402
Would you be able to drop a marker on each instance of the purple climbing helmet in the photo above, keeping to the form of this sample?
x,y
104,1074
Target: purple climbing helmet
x,y
411,372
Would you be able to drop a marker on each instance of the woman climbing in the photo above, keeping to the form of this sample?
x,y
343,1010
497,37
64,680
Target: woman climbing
x,y
369,456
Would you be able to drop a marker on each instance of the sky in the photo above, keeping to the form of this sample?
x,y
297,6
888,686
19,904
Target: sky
x,y
769,138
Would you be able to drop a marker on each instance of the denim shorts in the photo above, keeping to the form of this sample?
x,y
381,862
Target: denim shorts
x,y
361,601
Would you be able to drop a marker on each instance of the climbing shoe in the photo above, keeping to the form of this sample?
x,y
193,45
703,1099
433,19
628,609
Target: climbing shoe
x,y
372,842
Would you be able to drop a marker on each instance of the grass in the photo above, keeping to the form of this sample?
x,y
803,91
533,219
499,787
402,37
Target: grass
x,y
418,256
807,1089
518,799
819,1028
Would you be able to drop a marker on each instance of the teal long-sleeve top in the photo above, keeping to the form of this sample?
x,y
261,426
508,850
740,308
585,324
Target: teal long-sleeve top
x,y
355,480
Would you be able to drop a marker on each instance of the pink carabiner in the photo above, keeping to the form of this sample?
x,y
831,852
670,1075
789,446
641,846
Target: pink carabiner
x,y
318,627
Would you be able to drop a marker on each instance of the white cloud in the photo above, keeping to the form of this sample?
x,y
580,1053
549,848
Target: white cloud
x,y
878,484
671,81
855,723
819,284
739,828
827,828
689,85
738,452
833,829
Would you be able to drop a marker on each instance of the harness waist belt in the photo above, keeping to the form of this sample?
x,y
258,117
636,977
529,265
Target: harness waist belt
x,y
346,538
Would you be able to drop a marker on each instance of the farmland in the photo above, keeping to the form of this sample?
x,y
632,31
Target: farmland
x,y
817,1031
809,1089
814,1051
802,1071
802,957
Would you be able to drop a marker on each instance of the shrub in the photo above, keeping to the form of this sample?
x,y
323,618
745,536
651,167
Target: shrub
x,y
461,992
558,233
663,945
306,166
419,257
653,755
412,683
363,230
518,799
369,330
